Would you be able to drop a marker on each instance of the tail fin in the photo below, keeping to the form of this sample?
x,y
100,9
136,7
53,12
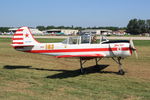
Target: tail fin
x,y
23,37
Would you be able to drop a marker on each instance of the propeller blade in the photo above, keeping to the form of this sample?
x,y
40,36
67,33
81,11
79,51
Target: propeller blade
x,y
136,55
133,48
131,43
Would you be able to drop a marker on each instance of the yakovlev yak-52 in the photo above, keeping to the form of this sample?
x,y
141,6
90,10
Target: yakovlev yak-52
x,y
81,47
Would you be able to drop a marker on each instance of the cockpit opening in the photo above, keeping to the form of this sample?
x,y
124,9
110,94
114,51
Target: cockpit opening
x,y
85,39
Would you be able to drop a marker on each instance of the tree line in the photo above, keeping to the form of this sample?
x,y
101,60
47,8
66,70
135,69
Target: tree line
x,y
4,29
135,26
138,26
41,28
78,28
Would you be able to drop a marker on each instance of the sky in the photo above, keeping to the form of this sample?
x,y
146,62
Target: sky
x,y
84,13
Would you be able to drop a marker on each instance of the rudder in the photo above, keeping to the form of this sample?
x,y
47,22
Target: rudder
x,y
23,36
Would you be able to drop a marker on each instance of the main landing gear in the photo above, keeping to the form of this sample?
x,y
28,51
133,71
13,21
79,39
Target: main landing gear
x,y
84,59
118,61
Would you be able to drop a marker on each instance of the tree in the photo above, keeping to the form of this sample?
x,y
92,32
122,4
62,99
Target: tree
x,y
141,26
50,27
41,28
132,26
148,26
138,26
4,29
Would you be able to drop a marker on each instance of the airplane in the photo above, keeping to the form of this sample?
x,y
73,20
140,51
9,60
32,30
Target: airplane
x,y
81,47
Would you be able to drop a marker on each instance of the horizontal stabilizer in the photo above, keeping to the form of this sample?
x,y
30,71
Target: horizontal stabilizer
x,y
16,45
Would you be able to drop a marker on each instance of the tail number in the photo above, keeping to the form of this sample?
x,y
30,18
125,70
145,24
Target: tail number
x,y
49,46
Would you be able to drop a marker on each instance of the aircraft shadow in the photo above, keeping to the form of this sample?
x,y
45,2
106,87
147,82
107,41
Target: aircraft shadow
x,y
28,67
87,70
66,73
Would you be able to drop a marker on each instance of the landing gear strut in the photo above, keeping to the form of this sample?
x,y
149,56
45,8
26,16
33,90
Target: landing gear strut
x,y
84,59
81,64
118,61
97,60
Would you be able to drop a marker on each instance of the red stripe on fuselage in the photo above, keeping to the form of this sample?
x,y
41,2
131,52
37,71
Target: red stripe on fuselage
x,y
77,50
17,43
125,49
19,30
17,38
20,34
130,51
88,55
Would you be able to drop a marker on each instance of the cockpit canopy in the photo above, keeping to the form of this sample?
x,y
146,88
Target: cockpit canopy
x,y
85,39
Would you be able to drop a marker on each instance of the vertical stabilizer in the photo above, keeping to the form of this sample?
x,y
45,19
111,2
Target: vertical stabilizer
x,y
23,37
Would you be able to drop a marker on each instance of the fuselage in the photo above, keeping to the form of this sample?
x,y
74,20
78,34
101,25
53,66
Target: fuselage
x,y
58,49
79,46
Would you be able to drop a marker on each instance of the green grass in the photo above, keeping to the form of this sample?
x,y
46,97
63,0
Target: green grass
x,y
142,42
39,77
49,40
2,40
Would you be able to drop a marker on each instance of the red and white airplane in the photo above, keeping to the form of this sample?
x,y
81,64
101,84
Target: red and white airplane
x,y
80,47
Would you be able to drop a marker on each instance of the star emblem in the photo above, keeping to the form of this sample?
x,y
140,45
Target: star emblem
x,y
27,35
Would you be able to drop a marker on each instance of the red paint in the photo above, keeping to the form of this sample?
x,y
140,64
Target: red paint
x,y
121,44
20,34
125,48
76,50
130,51
17,43
116,45
17,38
19,30
88,55
27,35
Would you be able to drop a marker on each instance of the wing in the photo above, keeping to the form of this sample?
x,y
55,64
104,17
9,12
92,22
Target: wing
x,y
84,55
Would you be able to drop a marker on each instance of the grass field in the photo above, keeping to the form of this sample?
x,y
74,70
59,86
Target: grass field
x,y
25,76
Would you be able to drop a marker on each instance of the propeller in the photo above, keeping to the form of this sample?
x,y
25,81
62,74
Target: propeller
x,y
133,48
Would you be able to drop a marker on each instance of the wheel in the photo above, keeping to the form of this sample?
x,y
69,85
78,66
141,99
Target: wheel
x,y
121,72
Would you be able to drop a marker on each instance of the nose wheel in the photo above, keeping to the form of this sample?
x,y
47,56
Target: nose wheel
x,y
118,61
121,72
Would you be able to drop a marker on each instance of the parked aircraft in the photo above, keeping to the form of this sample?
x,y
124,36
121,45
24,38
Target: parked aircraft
x,y
84,47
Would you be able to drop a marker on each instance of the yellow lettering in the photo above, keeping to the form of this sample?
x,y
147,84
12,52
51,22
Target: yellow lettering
x,y
49,46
